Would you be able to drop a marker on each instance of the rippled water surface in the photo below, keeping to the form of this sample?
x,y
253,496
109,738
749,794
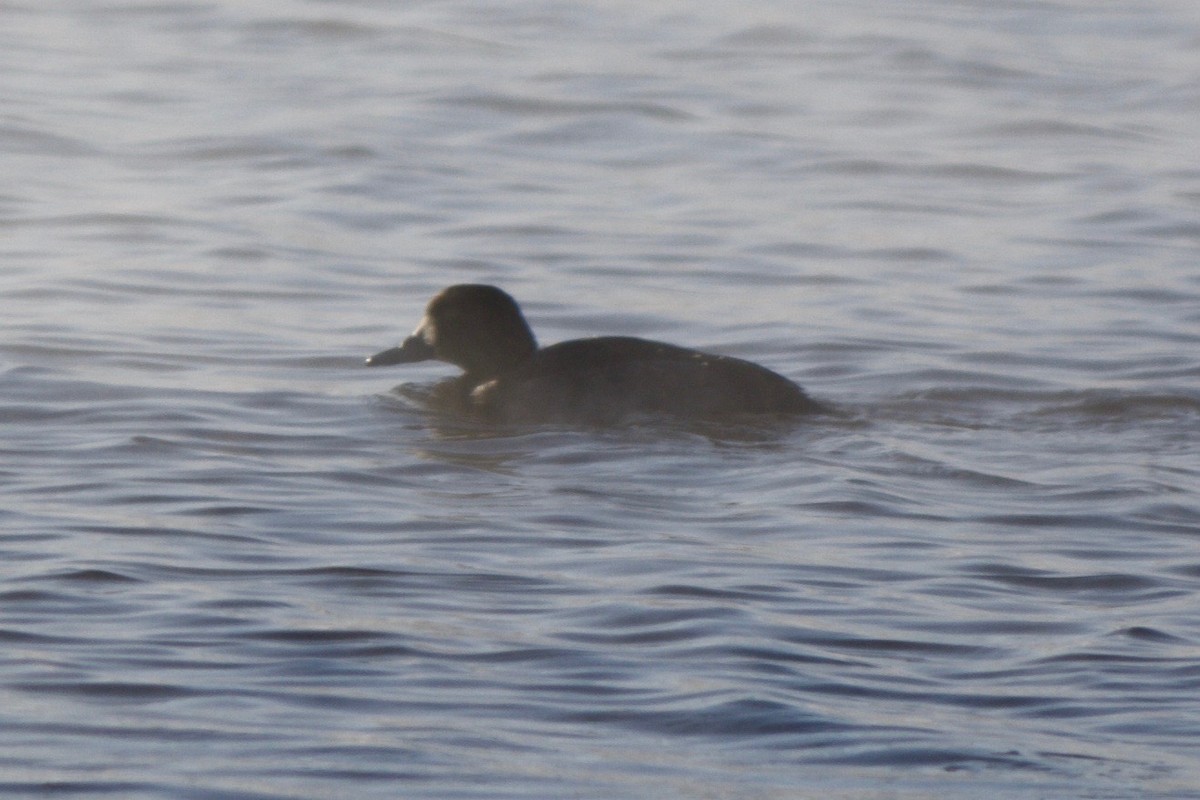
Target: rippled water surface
x,y
236,564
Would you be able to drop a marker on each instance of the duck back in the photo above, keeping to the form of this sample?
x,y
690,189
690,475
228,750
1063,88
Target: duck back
x,y
607,379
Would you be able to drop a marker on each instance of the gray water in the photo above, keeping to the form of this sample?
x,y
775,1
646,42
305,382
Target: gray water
x,y
236,564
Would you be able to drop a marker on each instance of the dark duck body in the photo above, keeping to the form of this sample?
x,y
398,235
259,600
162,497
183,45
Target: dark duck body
x,y
603,380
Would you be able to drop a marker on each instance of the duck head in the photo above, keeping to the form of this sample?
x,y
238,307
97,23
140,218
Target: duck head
x,y
474,326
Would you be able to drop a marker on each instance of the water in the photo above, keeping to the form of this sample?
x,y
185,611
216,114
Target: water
x,y
236,565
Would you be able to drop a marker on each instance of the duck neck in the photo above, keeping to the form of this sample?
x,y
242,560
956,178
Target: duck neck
x,y
499,358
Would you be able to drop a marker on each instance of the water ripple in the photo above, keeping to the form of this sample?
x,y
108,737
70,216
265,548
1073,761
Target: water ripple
x,y
236,564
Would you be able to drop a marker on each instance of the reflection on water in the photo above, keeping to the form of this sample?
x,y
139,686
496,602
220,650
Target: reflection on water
x,y
238,563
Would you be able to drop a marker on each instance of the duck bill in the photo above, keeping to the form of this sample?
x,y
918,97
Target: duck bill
x,y
414,349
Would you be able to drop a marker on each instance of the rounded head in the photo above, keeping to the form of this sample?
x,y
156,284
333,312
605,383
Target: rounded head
x,y
474,326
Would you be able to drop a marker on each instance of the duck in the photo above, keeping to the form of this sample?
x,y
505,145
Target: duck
x,y
508,378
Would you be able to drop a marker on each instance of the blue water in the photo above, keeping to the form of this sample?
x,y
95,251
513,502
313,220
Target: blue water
x,y
236,564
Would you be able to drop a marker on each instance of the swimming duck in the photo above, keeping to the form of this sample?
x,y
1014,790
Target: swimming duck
x,y
507,378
